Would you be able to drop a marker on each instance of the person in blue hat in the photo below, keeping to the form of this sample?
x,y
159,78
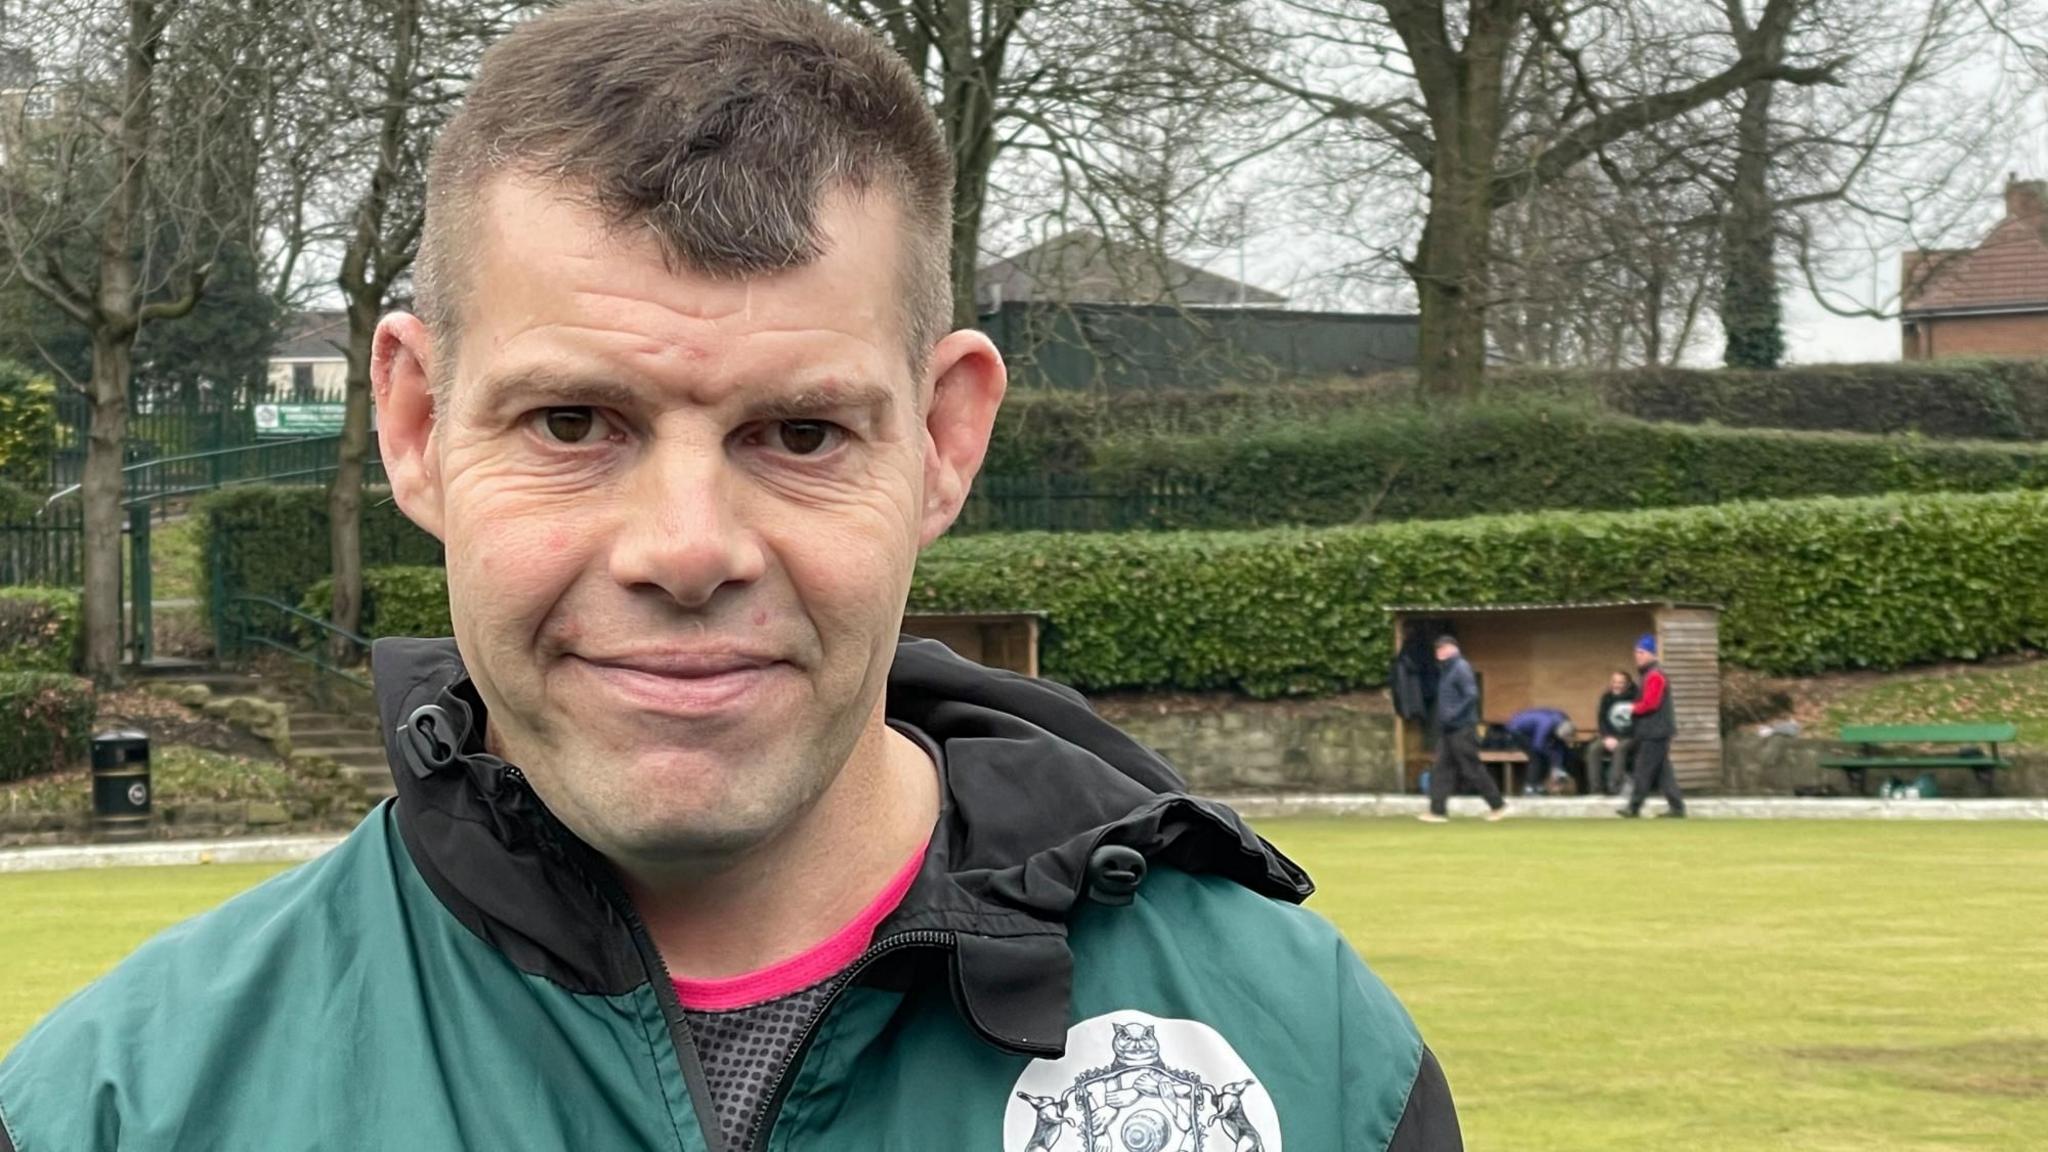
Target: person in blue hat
x,y
1654,726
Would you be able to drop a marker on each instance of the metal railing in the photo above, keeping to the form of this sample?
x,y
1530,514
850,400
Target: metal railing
x,y
164,479
291,636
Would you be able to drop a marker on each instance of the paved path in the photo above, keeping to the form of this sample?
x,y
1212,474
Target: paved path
x,y
245,850
294,849
1602,808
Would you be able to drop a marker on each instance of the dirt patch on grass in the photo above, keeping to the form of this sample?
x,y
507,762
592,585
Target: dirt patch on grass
x,y
2010,1068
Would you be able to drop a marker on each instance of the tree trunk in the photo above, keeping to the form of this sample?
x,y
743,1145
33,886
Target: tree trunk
x,y
102,491
345,494
1751,313
1452,269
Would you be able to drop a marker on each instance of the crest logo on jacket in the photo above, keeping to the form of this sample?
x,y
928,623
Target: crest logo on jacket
x,y
1131,1082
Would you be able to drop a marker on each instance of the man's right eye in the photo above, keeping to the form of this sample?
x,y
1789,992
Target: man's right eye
x,y
580,425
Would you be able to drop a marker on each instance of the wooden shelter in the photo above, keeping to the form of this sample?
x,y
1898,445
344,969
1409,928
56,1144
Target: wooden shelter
x,y
1006,640
1561,656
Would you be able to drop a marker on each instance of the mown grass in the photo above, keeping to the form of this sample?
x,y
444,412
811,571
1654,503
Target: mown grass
x,y
1589,987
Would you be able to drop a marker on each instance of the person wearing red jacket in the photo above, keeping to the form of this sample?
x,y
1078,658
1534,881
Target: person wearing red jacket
x,y
1654,726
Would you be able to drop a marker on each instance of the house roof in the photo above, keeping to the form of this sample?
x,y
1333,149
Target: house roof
x,y
2008,272
1081,267
321,334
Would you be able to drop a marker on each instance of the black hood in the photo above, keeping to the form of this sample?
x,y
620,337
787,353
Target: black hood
x,y
1043,804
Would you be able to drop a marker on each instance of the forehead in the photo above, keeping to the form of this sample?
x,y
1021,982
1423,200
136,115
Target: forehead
x,y
555,288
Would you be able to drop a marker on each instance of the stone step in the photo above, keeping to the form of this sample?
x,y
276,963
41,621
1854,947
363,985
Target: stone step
x,y
349,756
377,783
343,731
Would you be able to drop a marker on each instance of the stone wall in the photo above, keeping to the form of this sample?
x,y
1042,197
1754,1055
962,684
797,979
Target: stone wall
x,y
198,820
1755,765
1226,744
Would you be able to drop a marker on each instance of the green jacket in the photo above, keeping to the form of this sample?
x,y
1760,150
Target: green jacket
x,y
1090,961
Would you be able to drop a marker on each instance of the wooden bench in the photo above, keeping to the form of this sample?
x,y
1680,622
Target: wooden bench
x,y
1871,739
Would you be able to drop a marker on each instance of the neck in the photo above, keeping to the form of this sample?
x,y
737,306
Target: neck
x,y
795,890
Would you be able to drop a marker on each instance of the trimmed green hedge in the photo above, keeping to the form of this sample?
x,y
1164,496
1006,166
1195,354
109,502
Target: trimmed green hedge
x,y
1058,433
1413,466
1983,399
271,541
1807,586
397,601
48,719
40,629
17,505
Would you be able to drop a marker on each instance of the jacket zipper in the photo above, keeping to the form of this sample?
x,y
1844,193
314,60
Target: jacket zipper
x,y
692,1068
764,1120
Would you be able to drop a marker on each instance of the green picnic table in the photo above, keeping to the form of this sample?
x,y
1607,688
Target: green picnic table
x,y
1872,740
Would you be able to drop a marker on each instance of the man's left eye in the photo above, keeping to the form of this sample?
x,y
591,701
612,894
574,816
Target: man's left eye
x,y
805,437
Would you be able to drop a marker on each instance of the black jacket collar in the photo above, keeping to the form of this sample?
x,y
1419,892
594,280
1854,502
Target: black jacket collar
x,y
1043,804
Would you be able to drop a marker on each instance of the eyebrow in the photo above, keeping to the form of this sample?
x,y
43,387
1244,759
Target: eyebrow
x,y
561,389
871,401
568,390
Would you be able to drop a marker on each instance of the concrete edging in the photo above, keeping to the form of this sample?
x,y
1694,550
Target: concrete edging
x,y
250,850
298,849
1602,808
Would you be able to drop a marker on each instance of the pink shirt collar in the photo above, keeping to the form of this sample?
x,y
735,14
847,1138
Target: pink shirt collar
x,y
813,966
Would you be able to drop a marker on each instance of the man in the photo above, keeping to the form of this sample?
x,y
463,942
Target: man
x,y
689,852
1607,761
1546,735
1457,742
1654,727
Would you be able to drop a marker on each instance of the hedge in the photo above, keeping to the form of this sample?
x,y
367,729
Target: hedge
x,y
273,541
1413,466
17,504
1808,586
397,601
48,720
1046,432
1987,399
40,629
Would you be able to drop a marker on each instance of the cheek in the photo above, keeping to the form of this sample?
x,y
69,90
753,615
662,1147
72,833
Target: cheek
x,y
517,554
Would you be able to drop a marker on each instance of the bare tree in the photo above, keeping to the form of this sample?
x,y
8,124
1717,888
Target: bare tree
x,y
1437,82
1053,79
117,189
383,75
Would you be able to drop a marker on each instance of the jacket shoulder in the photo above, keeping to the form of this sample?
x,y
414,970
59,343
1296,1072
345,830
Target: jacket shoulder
x,y
189,988
1326,1037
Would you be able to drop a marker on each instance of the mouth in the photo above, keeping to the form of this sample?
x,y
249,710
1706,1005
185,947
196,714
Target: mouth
x,y
686,684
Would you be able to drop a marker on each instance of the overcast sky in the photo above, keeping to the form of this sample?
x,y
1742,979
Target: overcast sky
x,y
1291,260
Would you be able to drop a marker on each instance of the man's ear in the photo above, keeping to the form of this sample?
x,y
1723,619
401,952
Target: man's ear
x,y
402,375
967,379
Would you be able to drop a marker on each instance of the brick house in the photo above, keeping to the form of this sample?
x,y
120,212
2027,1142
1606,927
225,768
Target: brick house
x,y
1991,300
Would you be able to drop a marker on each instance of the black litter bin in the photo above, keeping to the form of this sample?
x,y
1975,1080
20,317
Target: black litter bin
x,y
120,785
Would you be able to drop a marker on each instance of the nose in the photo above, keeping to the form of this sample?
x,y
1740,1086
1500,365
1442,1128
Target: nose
x,y
685,531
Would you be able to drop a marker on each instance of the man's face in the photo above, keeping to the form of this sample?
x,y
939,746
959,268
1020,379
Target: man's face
x,y
681,512
1446,651
1643,658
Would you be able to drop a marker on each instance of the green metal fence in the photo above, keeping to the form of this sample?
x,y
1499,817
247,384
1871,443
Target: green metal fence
x,y
1054,503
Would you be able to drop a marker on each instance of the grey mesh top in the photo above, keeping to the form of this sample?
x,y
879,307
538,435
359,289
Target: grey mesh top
x,y
745,1049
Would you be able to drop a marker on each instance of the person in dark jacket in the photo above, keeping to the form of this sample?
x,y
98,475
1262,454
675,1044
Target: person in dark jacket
x,y
1607,759
1457,744
691,851
1545,735
1652,720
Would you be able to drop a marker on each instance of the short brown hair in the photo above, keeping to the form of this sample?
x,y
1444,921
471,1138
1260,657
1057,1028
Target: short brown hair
x,y
720,125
